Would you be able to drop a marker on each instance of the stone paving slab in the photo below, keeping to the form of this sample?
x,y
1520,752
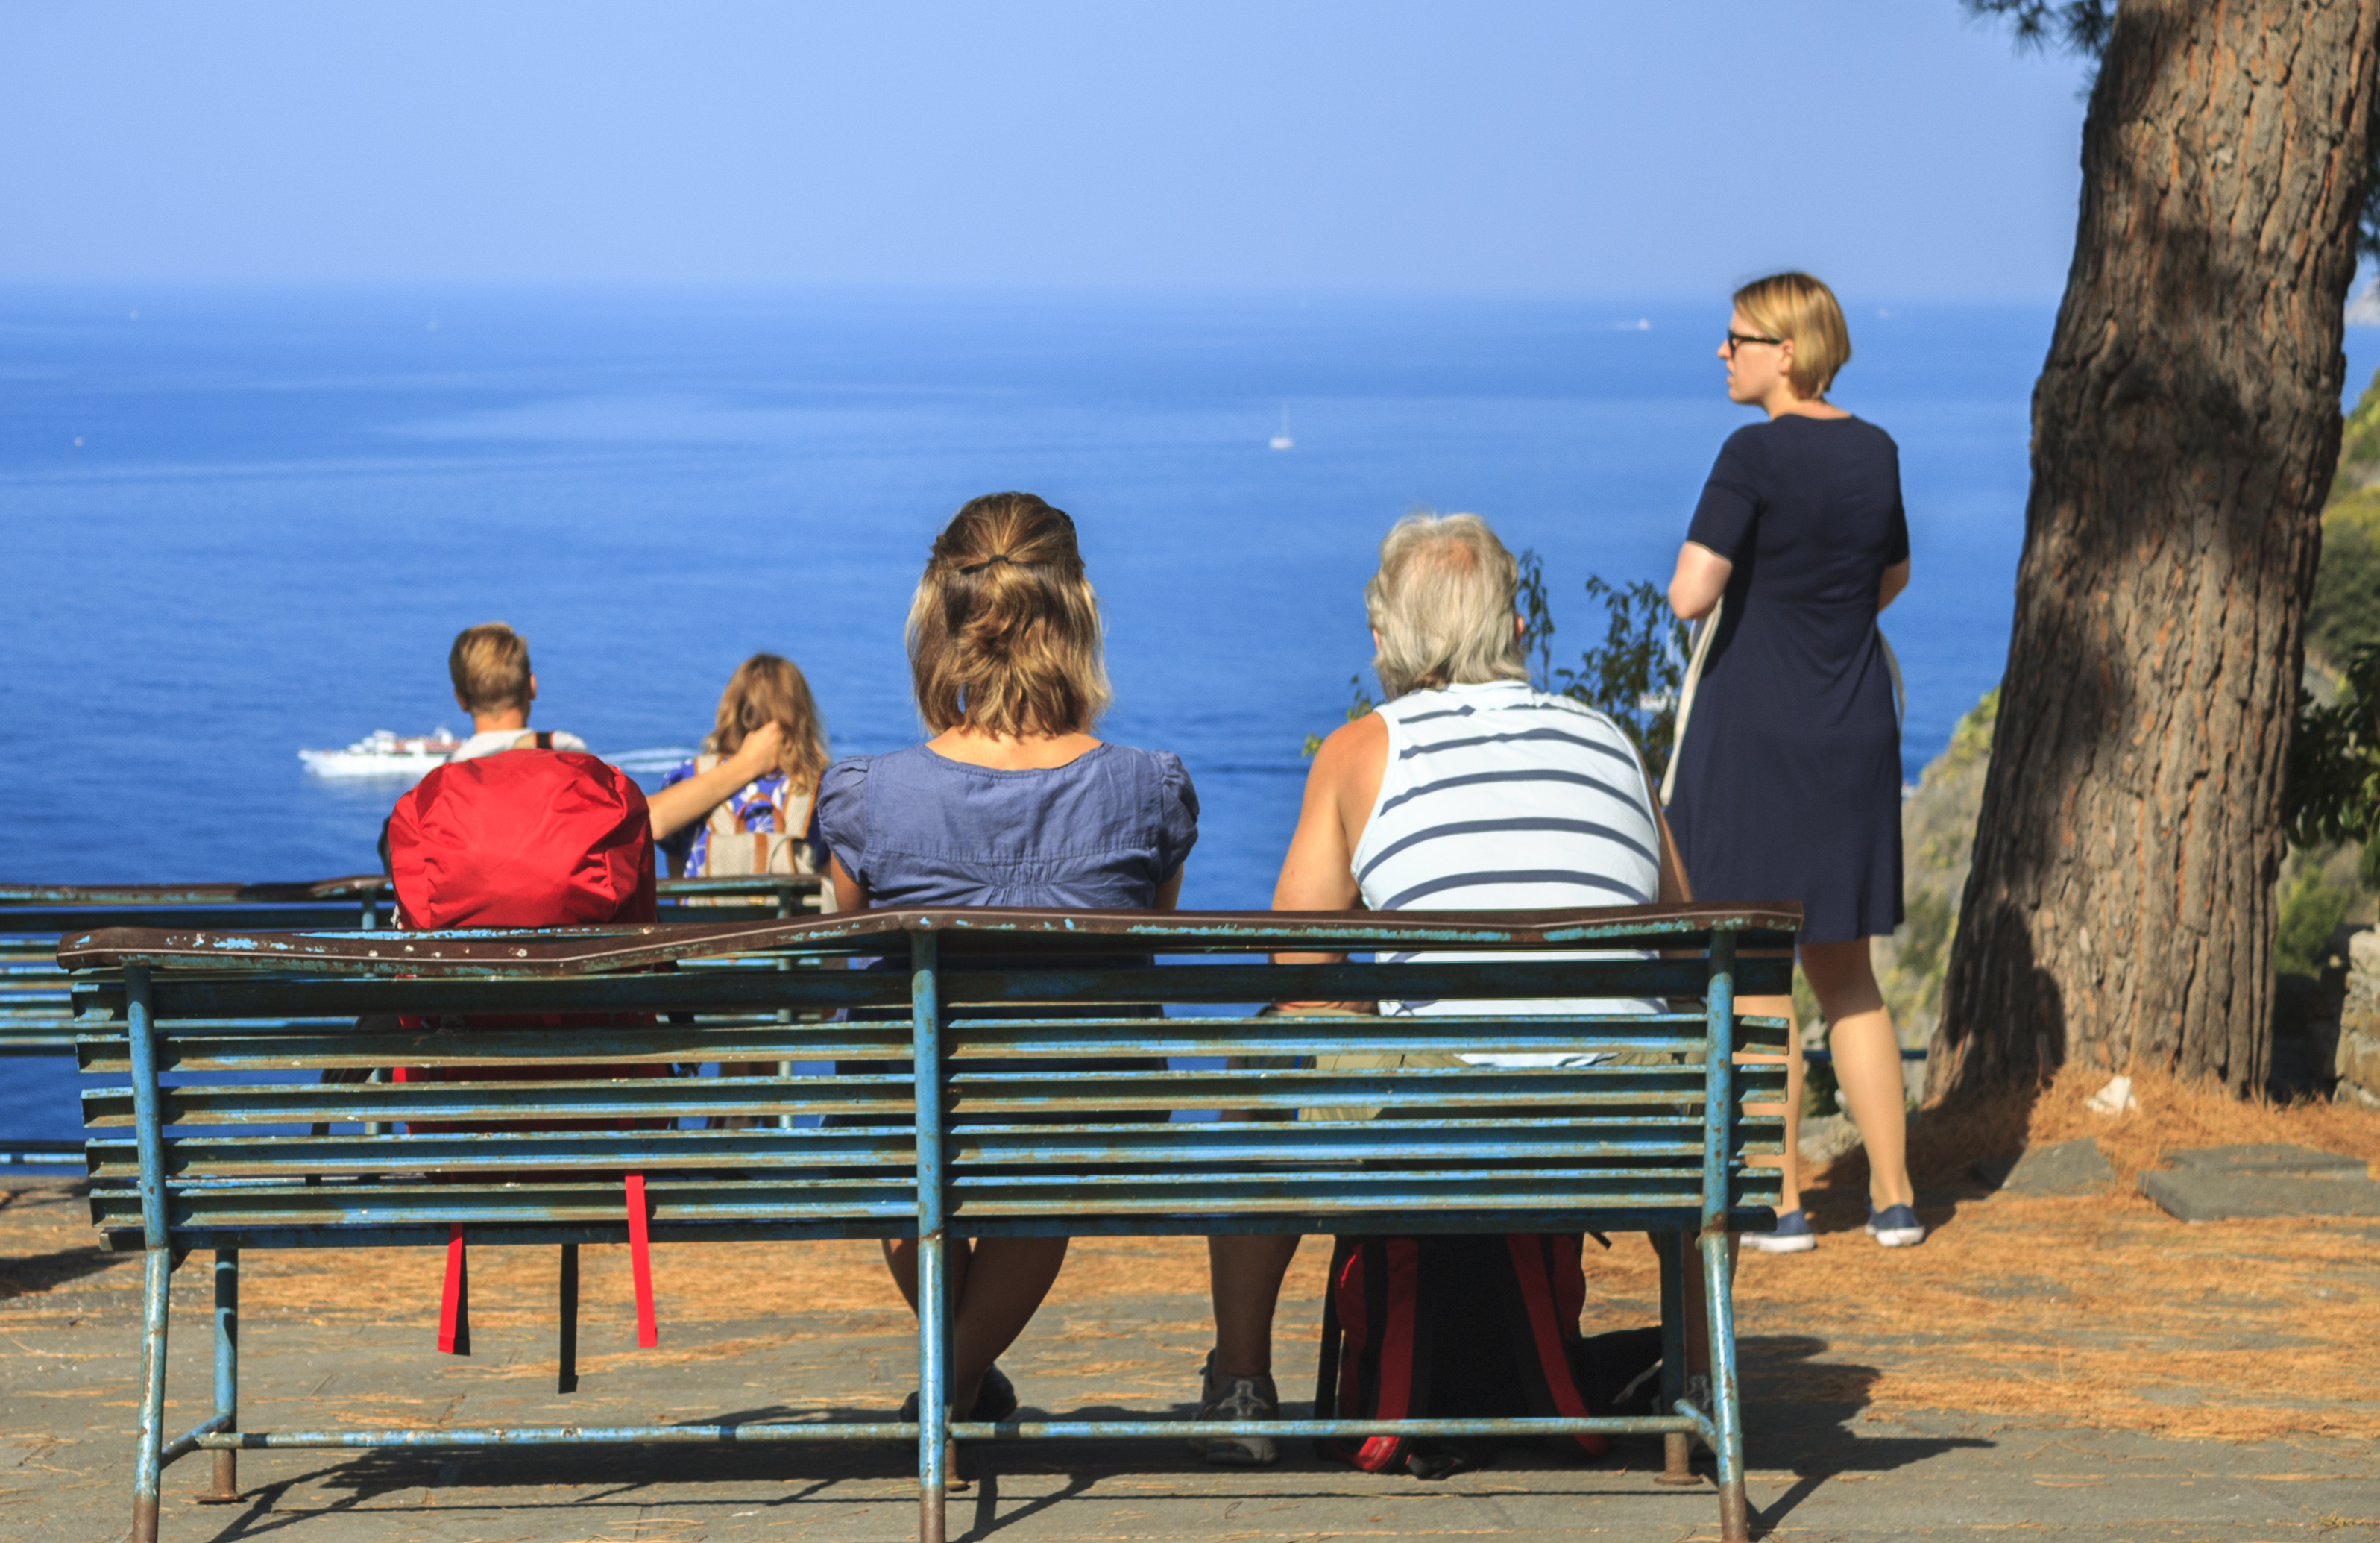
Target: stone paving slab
x,y
2222,1183
2067,1168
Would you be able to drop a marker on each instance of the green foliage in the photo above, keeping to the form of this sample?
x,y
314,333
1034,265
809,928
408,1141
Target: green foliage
x,y
1631,678
1361,705
2345,612
2077,26
1925,948
2310,911
2359,443
2332,794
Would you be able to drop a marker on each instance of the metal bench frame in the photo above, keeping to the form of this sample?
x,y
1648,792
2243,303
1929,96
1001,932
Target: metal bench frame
x,y
136,989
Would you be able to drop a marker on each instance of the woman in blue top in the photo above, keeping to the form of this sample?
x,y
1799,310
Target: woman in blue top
x,y
1789,770
1013,802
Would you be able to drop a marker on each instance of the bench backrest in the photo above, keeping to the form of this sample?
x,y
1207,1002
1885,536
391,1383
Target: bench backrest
x,y
36,1016
930,1122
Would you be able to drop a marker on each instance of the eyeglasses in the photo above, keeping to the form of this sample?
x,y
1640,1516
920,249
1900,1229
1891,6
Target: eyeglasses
x,y
1737,340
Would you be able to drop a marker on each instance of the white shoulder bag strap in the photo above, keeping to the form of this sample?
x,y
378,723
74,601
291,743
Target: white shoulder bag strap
x,y
1704,633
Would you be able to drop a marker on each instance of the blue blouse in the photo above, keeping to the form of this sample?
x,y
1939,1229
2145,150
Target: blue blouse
x,y
1100,832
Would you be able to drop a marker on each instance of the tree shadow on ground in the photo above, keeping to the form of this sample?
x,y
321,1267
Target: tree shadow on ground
x,y
41,1272
1800,1411
1799,1414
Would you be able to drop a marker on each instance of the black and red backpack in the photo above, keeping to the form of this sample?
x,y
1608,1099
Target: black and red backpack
x,y
1467,1328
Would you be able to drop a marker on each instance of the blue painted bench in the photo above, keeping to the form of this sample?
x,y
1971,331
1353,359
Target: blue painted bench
x,y
925,1143
37,1018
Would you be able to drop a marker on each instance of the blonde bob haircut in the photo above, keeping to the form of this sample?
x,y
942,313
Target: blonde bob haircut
x,y
1004,632
488,666
1442,605
768,689
1802,311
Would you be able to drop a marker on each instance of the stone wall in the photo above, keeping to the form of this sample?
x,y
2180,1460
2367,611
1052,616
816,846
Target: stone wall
x,y
2356,1061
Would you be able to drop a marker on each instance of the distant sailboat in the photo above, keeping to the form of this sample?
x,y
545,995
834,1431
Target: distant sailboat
x,y
1281,440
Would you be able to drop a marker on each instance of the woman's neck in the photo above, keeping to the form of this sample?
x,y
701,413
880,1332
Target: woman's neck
x,y
970,745
1784,404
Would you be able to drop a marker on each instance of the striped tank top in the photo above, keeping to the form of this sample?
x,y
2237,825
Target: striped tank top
x,y
1500,798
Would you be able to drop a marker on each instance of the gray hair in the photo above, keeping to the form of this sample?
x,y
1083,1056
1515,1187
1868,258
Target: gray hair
x,y
1442,605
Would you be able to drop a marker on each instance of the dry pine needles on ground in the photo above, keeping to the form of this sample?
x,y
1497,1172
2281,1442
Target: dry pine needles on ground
x,y
2099,1311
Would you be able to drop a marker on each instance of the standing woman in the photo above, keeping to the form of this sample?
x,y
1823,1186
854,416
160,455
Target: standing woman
x,y
1013,802
1788,771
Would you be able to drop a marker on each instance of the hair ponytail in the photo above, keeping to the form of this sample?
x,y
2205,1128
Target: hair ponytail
x,y
1004,632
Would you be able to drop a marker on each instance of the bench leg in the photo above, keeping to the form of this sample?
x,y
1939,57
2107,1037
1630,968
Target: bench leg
x,y
933,1384
157,1269
225,1491
1734,1516
1677,1447
566,1380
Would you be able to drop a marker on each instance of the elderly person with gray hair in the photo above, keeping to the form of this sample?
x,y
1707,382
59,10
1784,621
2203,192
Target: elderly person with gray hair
x,y
1467,790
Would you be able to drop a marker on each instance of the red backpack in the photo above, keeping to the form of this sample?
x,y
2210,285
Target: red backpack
x,y
1446,1327
527,838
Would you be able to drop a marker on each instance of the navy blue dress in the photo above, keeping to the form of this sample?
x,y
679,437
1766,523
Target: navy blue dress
x,y
1789,778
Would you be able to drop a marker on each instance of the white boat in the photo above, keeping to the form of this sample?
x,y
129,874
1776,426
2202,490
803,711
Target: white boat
x,y
1281,440
383,753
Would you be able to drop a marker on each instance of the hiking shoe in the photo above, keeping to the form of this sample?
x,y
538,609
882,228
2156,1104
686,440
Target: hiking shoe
x,y
1236,1397
1792,1236
1895,1227
994,1402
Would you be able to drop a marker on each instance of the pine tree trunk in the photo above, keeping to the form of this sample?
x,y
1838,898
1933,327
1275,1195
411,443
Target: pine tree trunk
x,y
2120,911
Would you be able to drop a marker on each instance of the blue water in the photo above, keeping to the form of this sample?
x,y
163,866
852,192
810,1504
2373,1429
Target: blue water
x,y
282,508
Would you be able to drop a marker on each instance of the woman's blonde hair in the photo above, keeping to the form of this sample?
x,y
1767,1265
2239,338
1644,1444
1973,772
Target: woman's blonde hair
x,y
768,688
1004,632
1442,605
1802,311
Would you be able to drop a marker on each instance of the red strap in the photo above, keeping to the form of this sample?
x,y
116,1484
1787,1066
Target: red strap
x,y
1544,1332
640,1265
454,1308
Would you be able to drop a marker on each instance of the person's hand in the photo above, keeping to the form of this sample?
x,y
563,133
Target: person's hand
x,y
757,756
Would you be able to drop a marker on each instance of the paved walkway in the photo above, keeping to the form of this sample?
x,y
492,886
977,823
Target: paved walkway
x,y
762,1332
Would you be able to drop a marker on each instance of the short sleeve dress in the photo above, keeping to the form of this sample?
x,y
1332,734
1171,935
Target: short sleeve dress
x,y
1101,832
1788,775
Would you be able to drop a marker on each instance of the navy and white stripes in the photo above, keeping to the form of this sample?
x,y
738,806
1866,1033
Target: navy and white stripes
x,y
1496,798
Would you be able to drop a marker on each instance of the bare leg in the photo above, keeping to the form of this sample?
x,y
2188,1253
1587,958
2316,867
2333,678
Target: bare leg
x,y
1867,1062
1244,1275
1778,1007
997,1282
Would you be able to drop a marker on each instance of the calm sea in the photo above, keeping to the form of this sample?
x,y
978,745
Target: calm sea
x,y
241,523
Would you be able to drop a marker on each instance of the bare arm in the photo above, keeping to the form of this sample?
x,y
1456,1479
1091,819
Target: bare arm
x,y
1700,579
682,803
848,895
1318,874
1896,578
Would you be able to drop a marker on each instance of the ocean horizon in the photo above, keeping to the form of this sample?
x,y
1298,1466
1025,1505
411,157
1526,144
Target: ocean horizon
x,y
244,522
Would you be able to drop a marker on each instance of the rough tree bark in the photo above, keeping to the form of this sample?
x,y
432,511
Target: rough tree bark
x,y
2120,911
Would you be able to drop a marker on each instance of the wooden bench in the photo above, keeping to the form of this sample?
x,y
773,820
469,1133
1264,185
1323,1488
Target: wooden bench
x,y
924,1142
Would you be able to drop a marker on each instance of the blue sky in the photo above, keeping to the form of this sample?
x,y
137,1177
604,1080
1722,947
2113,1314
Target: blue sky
x,y
1620,149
